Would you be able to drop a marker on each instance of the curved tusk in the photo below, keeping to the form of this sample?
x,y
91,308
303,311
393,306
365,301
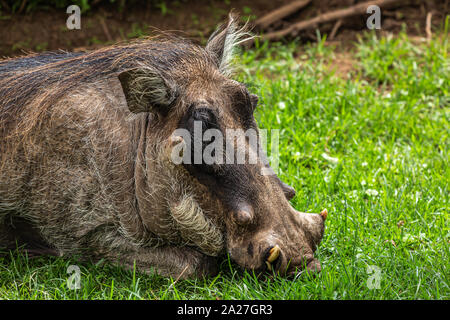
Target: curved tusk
x,y
324,214
274,254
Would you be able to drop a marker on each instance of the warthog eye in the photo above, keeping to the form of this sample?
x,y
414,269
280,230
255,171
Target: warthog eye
x,y
206,116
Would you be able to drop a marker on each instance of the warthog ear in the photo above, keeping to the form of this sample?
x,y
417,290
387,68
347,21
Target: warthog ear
x,y
223,41
147,90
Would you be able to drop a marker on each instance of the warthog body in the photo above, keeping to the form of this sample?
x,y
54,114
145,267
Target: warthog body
x,y
86,167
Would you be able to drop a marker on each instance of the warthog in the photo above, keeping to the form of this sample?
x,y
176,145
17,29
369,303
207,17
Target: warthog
x,y
87,169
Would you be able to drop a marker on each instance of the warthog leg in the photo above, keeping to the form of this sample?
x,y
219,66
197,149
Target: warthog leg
x,y
177,262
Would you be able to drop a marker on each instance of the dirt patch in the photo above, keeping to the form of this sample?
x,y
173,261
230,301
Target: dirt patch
x,y
47,31
409,14
343,63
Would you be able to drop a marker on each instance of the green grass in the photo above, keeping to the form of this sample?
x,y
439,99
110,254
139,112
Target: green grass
x,y
370,146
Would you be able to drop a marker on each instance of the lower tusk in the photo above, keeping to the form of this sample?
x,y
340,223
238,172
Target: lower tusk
x,y
269,265
324,214
274,254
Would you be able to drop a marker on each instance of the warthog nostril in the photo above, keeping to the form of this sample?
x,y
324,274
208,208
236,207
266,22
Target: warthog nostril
x,y
288,191
272,257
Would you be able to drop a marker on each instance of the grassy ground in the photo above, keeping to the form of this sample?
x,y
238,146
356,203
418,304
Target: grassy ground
x,y
365,134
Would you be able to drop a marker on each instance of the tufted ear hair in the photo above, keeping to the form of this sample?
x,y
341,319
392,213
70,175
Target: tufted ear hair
x,y
223,41
146,90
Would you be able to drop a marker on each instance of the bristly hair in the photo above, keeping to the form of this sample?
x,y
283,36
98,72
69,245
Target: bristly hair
x,y
195,227
30,85
233,37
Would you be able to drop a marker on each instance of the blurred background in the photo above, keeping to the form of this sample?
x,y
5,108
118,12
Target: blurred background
x,y
37,25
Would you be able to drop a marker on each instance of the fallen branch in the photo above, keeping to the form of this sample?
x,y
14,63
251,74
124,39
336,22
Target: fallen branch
x,y
335,29
327,17
22,6
428,26
105,29
280,13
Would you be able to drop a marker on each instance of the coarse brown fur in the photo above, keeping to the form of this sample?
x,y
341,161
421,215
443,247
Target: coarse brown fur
x,y
85,165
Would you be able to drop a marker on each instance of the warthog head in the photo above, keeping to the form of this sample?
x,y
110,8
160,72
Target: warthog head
x,y
201,120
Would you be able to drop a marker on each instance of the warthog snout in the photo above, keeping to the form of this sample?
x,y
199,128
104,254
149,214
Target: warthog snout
x,y
285,244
